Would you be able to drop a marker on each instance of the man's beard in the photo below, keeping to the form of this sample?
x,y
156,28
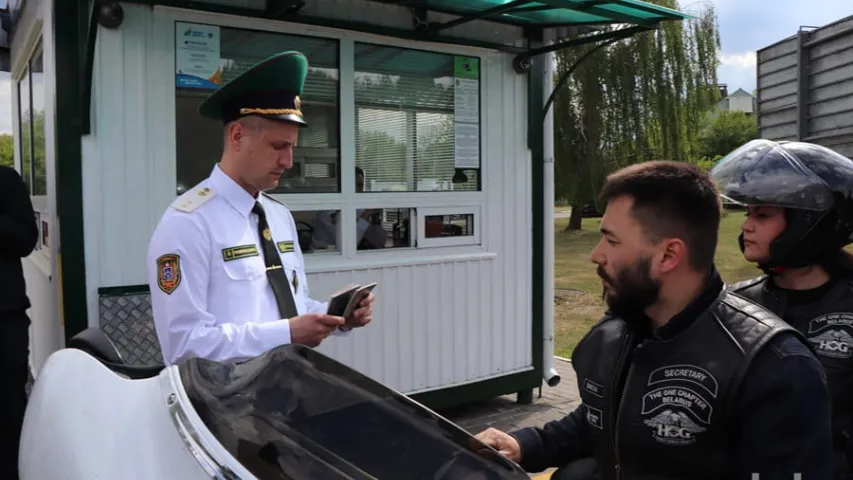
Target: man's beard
x,y
632,291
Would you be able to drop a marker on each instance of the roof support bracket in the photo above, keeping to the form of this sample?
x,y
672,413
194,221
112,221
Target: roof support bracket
x,y
521,62
505,8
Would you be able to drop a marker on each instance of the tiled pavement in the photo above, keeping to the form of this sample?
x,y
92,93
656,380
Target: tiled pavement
x,y
504,413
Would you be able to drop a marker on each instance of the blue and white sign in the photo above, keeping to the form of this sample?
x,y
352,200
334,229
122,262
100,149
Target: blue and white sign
x,y
197,62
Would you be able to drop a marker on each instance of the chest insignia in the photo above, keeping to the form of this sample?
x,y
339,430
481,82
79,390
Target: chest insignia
x,y
285,247
677,403
594,417
238,252
593,388
830,335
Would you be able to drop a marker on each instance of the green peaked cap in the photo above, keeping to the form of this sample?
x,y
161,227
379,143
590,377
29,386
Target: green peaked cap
x,y
269,89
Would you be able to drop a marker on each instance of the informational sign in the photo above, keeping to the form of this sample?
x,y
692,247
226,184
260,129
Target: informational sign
x,y
197,61
466,88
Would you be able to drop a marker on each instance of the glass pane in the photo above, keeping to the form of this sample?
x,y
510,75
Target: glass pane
x,y
380,228
319,230
415,130
200,140
566,12
25,130
39,156
442,226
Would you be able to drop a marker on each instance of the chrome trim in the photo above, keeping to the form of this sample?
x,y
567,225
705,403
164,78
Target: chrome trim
x,y
191,440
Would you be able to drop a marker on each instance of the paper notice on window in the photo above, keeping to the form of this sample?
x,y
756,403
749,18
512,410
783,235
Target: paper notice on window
x,y
466,89
197,61
467,145
467,100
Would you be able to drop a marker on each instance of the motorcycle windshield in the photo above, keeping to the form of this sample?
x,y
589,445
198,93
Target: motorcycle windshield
x,y
296,413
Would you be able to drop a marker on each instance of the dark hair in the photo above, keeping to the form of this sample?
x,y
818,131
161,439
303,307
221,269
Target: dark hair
x,y
672,199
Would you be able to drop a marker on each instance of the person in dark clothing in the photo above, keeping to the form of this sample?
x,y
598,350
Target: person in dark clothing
x,y
680,379
799,216
18,237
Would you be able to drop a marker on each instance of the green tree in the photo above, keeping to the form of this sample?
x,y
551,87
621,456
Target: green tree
x,y
7,150
638,99
726,131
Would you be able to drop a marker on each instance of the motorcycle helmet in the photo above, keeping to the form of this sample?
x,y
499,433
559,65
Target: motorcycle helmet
x,y
812,183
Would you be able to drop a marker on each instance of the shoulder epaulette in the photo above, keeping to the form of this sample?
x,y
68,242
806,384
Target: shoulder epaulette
x,y
193,198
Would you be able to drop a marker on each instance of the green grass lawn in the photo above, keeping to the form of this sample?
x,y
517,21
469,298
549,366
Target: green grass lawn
x,y
578,289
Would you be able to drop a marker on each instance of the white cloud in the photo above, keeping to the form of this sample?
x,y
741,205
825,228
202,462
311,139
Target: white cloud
x,y
737,70
738,60
5,103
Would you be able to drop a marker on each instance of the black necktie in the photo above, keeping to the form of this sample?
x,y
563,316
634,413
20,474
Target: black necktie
x,y
275,271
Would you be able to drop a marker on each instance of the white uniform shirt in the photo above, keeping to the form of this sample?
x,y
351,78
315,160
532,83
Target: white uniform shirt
x,y
210,295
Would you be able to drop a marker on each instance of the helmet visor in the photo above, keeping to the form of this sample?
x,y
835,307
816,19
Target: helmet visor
x,y
764,173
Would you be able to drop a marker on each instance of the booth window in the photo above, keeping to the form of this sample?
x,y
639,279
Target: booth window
x,y
318,231
31,125
417,120
316,167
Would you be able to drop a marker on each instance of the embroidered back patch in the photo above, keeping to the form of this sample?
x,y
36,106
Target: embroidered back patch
x,y
240,251
168,272
285,247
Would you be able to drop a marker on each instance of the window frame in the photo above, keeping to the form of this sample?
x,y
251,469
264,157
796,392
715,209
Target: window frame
x,y
347,200
34,47
257,29
480,60
423,213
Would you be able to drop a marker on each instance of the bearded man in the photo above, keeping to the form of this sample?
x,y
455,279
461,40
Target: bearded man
x,y
681,379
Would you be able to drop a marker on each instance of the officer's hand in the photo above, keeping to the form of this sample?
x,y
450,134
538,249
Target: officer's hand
x,y
363,314
312,328
502,442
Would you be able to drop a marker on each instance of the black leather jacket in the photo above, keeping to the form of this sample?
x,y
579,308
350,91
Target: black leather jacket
x,y
724,390
825,316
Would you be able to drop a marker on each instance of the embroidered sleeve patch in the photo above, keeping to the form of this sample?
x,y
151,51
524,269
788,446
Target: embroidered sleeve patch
x,y
285,247
169,272
240,251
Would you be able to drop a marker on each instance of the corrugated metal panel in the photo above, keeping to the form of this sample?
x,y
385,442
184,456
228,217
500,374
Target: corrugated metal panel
x,y
437,322
805,87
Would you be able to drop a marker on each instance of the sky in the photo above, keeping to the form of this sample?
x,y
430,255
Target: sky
x,y
745,26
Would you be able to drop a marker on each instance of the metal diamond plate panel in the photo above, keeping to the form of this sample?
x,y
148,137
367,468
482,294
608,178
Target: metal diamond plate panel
x,y
127,320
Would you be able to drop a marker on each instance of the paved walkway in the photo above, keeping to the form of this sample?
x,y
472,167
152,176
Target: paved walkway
x,y
505,414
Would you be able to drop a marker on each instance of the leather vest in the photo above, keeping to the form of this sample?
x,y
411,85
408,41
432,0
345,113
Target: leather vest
x,y
827,323
670,418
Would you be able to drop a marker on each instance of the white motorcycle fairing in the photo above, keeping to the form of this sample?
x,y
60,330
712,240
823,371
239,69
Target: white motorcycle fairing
x,y
291,413
85,422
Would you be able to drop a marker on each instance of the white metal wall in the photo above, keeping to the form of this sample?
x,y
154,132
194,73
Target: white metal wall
x,y
442,319
40,268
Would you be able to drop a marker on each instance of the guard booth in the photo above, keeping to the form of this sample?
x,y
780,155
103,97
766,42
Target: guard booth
x,y
441,104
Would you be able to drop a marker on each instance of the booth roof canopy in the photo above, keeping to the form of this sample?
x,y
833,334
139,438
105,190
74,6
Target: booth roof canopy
x,y
553,13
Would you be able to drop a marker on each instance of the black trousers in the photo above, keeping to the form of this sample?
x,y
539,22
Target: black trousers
x,y
14,368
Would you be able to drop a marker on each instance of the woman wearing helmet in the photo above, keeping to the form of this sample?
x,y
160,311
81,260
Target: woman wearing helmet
x,y
799,201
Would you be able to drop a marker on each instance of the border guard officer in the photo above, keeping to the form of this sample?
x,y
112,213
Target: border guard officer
x,y
226,272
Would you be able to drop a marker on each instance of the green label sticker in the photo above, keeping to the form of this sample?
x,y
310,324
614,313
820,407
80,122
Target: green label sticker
x,y
466,67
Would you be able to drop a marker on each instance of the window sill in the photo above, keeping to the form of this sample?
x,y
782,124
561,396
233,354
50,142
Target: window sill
x,y
366,260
